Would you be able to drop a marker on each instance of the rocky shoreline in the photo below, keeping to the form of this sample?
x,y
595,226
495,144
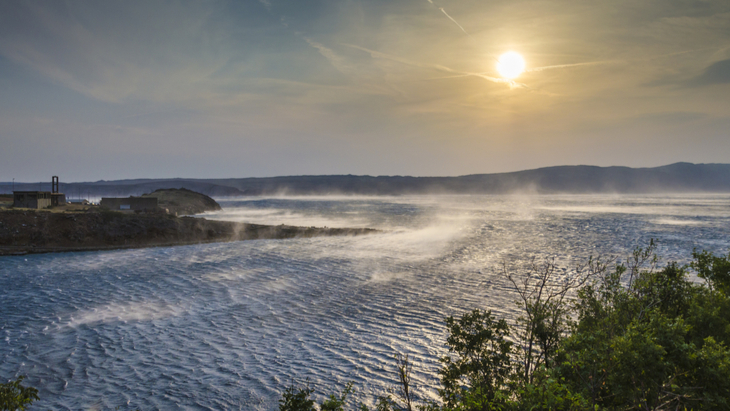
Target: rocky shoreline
x,y
29,232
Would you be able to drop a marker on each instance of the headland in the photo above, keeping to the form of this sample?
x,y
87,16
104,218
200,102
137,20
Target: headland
x,y
75,227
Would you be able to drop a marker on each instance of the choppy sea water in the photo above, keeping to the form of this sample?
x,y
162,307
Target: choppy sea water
x,y
230,325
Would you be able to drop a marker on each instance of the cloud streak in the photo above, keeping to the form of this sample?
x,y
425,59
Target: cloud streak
x,y
339,63
452,19
439,67
560,66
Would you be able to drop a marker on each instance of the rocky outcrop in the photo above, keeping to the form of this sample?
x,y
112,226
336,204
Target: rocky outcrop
x,y
181,201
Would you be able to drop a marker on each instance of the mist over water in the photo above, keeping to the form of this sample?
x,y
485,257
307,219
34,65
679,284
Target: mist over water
x,y
230,325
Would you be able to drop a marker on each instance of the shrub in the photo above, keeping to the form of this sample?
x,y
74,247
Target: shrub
x,y
14,396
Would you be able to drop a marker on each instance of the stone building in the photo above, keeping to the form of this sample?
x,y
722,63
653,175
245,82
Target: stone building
x,y
58,199
31,199
39,199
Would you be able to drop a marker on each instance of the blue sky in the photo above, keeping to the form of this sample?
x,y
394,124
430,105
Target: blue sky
x,y
125,89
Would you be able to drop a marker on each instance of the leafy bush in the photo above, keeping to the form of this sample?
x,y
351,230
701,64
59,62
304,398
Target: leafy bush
x,y
297,399
645,342
14,396
480,363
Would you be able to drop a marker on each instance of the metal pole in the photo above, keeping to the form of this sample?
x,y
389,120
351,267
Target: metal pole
x,y
13,184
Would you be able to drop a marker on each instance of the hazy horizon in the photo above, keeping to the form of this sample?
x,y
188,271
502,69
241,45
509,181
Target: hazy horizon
x,y
154,178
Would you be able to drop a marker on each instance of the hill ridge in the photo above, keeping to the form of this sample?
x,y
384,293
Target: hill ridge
x,y
679,177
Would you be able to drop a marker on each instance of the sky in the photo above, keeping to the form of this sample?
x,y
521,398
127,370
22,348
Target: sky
x,y
94,90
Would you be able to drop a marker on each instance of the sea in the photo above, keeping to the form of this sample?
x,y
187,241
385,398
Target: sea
x,y
229,326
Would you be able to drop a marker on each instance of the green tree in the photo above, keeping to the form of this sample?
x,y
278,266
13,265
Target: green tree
x,y
543,300
714,270
478,366
635,344
548,392
297,399
14,396
337,403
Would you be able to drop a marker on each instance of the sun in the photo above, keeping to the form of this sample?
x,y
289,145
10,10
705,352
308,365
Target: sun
x,y
510,65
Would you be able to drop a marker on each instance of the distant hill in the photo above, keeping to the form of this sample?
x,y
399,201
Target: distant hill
x,y
674,178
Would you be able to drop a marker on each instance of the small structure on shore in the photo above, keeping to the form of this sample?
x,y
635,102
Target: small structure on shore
x,y
31,199
130,203
57,198
39,199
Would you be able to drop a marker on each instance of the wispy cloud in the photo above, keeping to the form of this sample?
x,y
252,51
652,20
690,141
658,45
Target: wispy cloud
x,y
339,63
439,67
452,19
560,66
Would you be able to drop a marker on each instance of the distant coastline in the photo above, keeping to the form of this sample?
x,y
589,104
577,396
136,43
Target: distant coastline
x,y
673,178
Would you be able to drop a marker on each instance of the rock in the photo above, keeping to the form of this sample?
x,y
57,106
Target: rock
x,y
183,201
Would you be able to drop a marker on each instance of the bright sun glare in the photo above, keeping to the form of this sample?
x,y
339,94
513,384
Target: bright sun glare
x,y
510,65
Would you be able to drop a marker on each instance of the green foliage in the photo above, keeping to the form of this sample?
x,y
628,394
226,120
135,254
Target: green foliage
x,y
548,393
337,403
297,399
480,362
14,396
645,342
714,270
384,403
545,311
709,316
